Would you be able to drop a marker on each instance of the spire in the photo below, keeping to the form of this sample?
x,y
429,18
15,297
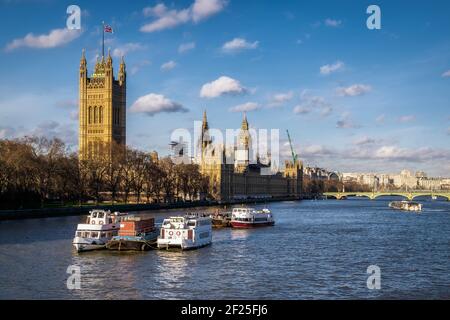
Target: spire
x,y
244,125
109,59
205,121
83,58
122,71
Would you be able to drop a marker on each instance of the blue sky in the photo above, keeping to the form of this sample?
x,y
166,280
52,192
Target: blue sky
x,y
353,99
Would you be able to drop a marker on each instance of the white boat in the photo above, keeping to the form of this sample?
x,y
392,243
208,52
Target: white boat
x,y
251,218
100,227
185,232
406,205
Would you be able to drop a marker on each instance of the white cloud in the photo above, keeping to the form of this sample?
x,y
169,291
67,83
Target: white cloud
x,y
299,109
354,90
313,103
166,19
346,122
446,74
279,99
202,9
249,106
407,118
238,44
330,68
169,65
186,47
364,141
220,86
126,48
153,103
332,22
54,38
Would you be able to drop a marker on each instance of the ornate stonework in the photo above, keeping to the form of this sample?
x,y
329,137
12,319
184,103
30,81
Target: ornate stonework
x,y
238,179
102,108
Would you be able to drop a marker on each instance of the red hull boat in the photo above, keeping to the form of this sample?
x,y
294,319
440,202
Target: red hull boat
x,y
246,218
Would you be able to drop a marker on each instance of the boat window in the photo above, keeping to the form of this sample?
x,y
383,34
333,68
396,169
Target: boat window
x,y
79,234
103,235
101,215
191,223
94,234
94,215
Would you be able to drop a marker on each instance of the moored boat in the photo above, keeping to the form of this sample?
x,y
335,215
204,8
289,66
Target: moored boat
x,y
406,205
99,228
135,233
185,232
251,218
221,219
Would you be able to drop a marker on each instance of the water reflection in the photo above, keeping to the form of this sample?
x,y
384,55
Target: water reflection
x,y
317,249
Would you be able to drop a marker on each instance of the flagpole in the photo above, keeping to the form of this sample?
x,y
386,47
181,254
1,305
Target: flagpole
x,y
103,39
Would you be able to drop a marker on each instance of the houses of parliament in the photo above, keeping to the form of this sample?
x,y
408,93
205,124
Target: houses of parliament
x,y
102,122
102,107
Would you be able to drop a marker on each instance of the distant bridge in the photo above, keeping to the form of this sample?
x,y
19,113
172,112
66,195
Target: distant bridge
x,y
373,195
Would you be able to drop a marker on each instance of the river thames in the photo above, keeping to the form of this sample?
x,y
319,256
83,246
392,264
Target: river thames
x,y
316,250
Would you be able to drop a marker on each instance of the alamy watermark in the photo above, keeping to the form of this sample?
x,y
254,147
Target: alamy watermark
x,y
73,22
234,146
74,280
374,20
374,279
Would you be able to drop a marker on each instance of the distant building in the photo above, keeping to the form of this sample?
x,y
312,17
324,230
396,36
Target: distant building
x,y
405,180
232,176
315,173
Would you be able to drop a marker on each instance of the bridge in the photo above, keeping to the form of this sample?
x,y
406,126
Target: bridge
x,y
373,195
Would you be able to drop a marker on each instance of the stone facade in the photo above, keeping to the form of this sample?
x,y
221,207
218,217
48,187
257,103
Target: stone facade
x,y
102,108
232,176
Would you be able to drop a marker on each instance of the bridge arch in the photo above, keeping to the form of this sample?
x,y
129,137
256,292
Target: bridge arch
x,y
378,195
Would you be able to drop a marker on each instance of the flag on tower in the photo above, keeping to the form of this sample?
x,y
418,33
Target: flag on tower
x,y
107,28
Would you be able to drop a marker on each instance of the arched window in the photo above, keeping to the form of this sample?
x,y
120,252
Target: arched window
x,y
100,115
90,115
95,114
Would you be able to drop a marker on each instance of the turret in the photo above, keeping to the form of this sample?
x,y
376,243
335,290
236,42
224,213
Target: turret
x,y
204,138
122,72
244,125
83,65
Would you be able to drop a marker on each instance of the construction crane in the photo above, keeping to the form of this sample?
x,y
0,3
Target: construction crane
x,y
294,155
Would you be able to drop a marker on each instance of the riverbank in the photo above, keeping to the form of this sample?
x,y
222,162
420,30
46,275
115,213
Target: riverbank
x,y
83,210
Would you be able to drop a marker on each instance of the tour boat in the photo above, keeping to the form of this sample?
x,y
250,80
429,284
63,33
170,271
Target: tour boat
x,y
185,232
221,219
100,226
250,218
406,205
135,233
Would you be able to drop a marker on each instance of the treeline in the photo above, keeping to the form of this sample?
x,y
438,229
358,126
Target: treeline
x,y
35,172
316,187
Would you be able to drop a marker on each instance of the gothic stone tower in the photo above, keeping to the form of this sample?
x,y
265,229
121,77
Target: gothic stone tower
x,y
102,111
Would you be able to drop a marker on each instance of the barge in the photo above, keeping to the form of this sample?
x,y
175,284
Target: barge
x,y
136,233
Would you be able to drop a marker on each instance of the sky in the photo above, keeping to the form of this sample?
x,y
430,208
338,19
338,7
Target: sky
x,y
353,99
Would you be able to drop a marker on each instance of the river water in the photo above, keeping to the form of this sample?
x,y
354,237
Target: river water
x,y
316,250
